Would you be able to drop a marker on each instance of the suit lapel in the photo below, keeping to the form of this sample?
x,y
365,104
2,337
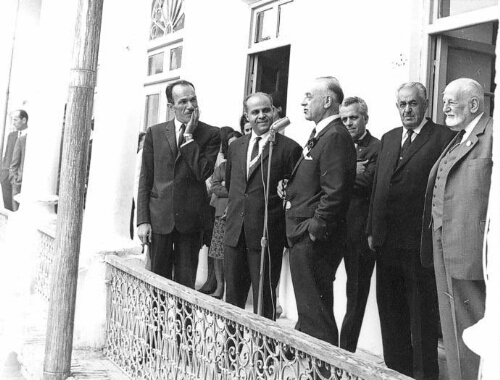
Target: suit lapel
x,y
171,138
471,140
243,149
420,140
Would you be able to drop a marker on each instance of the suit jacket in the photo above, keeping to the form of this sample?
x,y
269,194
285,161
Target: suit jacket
x,y
368,149
320,186
17,163
7,157
397,201
246,195
172,191
465,203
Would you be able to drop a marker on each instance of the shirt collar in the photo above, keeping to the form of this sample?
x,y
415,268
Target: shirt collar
x,y
415,130
264,136
177,125
323,123
469,128
362,137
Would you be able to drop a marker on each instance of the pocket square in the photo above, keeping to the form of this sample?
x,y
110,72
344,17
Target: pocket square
x,y
308,158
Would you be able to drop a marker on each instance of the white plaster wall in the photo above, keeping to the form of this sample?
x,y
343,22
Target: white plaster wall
x,y
214,57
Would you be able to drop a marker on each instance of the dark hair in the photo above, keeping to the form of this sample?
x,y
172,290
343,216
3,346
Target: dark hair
x,y
277,99
243,121
22,114
170,88
224,131
225,142
141,137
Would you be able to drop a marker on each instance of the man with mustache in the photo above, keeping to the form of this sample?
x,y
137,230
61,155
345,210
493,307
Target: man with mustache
x,y
406,291
455,221
246,182
178,156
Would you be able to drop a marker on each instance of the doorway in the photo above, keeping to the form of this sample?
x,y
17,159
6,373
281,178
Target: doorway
x,y
465,52
268,72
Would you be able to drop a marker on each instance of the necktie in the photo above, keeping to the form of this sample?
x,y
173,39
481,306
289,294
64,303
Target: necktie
x,y
255,149
458,140
310,142
406,144
181,137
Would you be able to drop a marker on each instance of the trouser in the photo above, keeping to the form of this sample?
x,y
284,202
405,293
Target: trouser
x,y
7,194
175,256
408,310
242,269
313,266
359,269
461,305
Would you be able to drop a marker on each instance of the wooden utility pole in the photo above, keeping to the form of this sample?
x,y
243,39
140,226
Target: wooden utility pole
x,y
61,317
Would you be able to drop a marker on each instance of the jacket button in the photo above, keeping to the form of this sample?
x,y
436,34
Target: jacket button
x,y
241,214
246,195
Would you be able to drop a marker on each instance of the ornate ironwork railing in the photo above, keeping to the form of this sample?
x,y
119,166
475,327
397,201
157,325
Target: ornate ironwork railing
x,y
45,249
157,329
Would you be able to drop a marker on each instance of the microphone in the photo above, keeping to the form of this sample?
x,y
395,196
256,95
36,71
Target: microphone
x,y
280,124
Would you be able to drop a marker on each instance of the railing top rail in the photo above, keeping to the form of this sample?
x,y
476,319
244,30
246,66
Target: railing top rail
x,y
300,341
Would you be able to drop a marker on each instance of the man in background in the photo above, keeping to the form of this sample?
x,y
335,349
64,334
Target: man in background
x,y
178,156
455,221
13,160
358,259
406,291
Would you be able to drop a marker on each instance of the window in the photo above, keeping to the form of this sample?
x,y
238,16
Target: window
x,y
151,112
175,58
167,17
448,8
271,21
155,64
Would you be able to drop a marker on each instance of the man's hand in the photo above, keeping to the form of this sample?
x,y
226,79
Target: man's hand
x,y
360,166
144,232
282,188
311,236
370,243
193,122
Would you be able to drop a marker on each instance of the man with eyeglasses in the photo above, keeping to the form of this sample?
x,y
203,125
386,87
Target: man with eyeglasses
x,y
406,291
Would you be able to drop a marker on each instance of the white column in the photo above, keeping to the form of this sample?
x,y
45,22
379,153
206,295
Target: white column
x,y
46,114
118,107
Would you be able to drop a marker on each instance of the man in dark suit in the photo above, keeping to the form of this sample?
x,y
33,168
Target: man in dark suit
x,y
317,199
454,220
20,122
358,259
178,156
406,291
246,181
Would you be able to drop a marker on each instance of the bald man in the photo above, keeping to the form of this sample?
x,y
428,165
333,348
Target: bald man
x,y
454,221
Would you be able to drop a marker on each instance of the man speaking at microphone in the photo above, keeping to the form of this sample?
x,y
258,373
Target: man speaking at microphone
x,y
246,181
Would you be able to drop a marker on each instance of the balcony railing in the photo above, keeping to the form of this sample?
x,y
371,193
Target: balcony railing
x,y
157,329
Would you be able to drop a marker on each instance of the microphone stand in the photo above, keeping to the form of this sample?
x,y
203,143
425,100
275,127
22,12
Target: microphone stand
x,y
264,241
